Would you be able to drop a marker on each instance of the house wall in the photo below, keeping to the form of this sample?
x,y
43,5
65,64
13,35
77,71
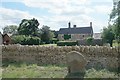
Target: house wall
x,y
60,37
79,36
74,36
6,40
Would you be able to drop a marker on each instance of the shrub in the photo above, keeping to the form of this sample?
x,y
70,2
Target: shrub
x,y
89,40
18,39
54,40
66,36
31,41
67,43
26,40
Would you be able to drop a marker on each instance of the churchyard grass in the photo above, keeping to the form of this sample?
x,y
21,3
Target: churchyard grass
x,y
49,71
48,45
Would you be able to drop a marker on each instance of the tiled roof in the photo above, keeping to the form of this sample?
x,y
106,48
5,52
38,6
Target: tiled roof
x,y
77,30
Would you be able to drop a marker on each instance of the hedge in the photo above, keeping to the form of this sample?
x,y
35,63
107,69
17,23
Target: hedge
x,y
54,40
26,40
67,43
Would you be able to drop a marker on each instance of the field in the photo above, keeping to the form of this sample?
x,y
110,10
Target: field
x,y
49,71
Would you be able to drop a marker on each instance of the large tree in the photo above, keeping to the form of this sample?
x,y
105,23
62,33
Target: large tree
x,y
10,29
46,35
28,27
108,35
115,17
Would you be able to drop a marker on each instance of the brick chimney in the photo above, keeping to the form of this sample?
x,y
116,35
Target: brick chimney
x,y
69,25
90,24
74,26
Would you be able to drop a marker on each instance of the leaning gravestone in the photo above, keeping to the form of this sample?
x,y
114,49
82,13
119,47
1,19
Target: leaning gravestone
x,y
76,65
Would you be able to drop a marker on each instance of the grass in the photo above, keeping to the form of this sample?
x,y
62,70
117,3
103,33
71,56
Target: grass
x,y
49,45
34,71
115,44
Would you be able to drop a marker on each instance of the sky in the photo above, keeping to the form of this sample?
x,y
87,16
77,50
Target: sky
x,y
57,13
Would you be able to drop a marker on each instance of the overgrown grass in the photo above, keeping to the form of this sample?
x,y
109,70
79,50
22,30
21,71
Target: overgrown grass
x,y
34,71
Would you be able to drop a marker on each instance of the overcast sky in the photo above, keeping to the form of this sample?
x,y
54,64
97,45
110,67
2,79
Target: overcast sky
x,y
57,13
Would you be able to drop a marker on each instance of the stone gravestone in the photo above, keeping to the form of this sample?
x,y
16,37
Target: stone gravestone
x,y
76,65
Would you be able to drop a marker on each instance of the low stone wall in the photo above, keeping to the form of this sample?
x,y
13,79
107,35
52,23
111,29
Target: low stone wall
x,y
95,42
100,57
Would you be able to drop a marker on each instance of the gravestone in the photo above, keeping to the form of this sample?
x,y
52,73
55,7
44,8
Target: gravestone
x,y
76,64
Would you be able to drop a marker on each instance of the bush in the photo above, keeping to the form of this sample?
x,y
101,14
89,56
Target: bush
x,y
67,43
90,40
18,39
66,36
26,40
54,41
31,41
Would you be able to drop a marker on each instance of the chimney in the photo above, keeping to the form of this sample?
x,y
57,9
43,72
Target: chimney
x,y
90,24
69,25
74,26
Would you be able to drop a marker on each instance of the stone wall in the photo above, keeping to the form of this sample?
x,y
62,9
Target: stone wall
x,y
95,42
102,57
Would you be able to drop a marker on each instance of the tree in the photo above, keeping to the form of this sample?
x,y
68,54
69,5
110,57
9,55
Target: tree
x,y
115,17
46,35
11,29
28,27
107,35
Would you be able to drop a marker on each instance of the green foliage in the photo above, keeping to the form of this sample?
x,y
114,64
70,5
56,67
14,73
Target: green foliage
x,y
18,39
54,40
108,35
89,40
66,36
11,29
115,17
28,27
115,43
26,40
31,41
67,43
34,71
46,35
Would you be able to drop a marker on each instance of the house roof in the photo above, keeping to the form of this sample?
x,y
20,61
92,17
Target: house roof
x,y
77,30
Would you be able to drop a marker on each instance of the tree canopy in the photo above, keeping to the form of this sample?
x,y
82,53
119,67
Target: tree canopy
x,y
107,35
46,35
115,17
11,29
28,27
112,32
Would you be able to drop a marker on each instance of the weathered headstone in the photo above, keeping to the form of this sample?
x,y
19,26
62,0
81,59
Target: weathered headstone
x,y
76,64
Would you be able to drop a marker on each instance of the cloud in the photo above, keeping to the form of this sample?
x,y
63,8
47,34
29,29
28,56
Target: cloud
x,y
104,9
62,11
57,6
14,17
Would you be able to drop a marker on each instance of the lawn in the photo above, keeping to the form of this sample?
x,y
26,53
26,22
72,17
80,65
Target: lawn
x,y
34,71
49,45
116,44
